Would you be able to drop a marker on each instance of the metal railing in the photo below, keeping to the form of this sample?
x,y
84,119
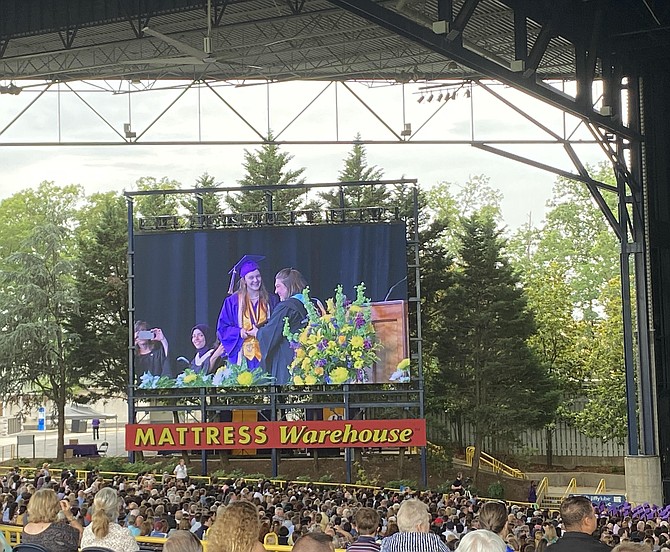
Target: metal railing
x,y
13,533
496,465
602,487
570,489
542,489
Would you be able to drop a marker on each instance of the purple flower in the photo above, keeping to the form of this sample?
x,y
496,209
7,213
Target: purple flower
x,y
360,321
321,345
294,345
367,344
320,362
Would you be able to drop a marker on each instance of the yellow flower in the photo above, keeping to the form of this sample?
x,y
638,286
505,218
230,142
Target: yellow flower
x,y
190,378
341,339
357,354
298,380
303,336
245,378
318,370
339,375
358,364
300,353
354,308
310,380
357,342
312,339
330,305
313,352
347,328
306,363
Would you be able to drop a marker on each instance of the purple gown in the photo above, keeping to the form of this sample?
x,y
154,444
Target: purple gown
x,y
228,329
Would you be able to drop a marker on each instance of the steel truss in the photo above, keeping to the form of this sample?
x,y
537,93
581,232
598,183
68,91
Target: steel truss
x,y
356,400
515,42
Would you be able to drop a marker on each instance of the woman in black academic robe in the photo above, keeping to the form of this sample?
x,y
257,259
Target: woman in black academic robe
x,y
276,354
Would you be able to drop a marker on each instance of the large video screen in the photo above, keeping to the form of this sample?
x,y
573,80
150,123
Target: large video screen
x,y
193,329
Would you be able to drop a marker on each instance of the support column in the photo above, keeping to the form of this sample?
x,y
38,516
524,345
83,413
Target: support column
x,y
643,474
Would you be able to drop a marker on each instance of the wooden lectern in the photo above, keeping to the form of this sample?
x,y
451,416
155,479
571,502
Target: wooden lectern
x,y
389,319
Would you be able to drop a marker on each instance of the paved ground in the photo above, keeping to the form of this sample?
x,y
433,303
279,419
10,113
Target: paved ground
x,y
46,442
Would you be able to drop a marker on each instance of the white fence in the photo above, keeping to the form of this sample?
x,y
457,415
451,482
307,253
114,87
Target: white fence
x,y
567,440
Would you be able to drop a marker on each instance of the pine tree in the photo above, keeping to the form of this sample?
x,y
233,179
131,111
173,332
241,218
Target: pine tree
x,y
356,169
485,371
102,284
158,204
268,167
211,202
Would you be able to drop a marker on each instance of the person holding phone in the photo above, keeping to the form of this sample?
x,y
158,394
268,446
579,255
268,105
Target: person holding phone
x,y
151,350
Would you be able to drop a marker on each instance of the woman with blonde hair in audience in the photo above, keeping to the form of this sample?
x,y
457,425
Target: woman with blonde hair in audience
x,y
104,531
182,541
43,527
236,529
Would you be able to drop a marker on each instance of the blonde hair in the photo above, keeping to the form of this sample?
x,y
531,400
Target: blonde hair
x,y
236,529
43,507
105,511
182,541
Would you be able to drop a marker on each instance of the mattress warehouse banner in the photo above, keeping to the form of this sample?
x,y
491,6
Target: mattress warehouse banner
x,y
279,435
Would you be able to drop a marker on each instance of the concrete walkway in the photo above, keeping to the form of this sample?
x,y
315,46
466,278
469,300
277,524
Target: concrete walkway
x,y
46,442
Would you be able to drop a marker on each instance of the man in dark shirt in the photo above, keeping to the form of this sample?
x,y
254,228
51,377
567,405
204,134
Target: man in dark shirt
x,y
579,521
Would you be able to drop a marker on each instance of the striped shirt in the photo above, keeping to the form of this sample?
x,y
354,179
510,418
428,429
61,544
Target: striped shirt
x,y
364,543
413,542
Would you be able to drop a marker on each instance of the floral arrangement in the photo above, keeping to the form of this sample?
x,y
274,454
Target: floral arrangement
x,y
228,375
336,346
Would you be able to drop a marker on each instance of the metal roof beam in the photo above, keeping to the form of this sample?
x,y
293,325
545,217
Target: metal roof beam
x,y
437,43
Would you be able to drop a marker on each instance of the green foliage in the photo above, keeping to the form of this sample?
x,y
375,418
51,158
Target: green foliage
x,y
571,277
496,490
268,167
483,370
401,484
605,413
356,169
211,202
364,477
326,478
156,205
39,296
102,286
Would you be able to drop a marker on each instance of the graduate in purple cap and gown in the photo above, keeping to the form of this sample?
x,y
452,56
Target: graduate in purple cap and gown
x,y
243,311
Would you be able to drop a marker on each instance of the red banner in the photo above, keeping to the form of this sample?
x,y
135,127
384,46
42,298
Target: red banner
x,y
280,435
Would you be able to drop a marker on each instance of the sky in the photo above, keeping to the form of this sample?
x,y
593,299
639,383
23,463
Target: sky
x,y
297,111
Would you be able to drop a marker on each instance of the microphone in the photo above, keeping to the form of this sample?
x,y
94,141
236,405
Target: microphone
x,y
393,287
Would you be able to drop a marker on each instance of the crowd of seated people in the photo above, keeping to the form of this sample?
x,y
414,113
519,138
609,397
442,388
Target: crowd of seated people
x,y
56,509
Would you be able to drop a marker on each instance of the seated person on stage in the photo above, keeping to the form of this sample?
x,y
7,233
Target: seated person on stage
x,y
208,350
151,351
248,308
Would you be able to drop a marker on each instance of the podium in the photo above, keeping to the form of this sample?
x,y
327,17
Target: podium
x,y
389,319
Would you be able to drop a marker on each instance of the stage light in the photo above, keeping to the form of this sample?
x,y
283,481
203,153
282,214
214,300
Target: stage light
x,y
128,131
430,98
441,95
11,89
421,98
467,93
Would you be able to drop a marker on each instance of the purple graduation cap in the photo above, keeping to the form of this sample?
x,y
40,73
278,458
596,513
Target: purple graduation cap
x,y
248,263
